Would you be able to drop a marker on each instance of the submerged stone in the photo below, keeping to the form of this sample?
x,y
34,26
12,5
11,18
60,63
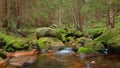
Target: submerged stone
x,y
22,61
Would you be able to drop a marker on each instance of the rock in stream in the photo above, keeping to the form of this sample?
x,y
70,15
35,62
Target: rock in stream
x,y
22,61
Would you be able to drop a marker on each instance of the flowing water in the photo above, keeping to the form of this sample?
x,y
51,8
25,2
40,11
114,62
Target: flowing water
x,y
63,59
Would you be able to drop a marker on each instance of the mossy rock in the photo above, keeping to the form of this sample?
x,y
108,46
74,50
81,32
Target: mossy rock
x,y
95,45
114,44
1,58
83,40
112,38
3,53
17,45
13,42
91,47
108,35
50,43
20,45
48,32
85,50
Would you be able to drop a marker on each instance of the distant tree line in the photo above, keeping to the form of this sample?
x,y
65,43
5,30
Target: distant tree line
x,y
37,13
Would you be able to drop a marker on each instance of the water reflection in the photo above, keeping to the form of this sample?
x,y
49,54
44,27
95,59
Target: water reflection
x,y
67,61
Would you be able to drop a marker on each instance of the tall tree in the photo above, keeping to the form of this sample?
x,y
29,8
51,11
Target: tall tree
x,y
17,13
79,17
111,18
4,13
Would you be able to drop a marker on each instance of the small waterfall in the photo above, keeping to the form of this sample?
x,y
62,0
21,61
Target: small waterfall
x,y
65,51
106,51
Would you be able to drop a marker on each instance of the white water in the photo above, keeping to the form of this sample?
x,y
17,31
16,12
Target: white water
x,y
65,51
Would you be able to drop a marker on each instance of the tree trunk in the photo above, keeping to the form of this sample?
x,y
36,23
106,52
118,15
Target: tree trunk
x,y
79,17
60,15
4,13
17,13
111,18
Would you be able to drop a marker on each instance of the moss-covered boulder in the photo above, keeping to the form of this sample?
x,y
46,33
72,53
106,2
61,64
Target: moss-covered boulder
x,y
20,45
114,44
108,35
91,47
111,38
82,40
79,42
48,32
12,43
50,43
96,45
85,50
3,53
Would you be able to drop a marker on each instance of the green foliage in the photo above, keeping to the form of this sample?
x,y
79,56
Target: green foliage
x,y
49,42
26,45
67,29
95,45
13,42
17,45
108,35
93,31
85,50
114,44
114,41
117,25
9,49
41,43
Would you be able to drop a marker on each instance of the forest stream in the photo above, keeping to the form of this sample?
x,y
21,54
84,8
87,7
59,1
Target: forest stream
x,y
64,59
59,33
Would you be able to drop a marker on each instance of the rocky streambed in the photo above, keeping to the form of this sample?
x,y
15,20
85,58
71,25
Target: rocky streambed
x,y
65,59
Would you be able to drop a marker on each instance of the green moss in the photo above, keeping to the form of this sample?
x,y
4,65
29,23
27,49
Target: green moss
x,y
10,49
96,45
17,45
114,40
108,35
49,42
12,42
1,59
3,53
85,50
69,38
63,37
41,42
81,39
95,31
26,45
114,44
48,32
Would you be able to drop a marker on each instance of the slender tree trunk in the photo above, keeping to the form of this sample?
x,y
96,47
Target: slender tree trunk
x,y
1,10
17,14
36,23
111,18
60,15
79,17
4,13
108,21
